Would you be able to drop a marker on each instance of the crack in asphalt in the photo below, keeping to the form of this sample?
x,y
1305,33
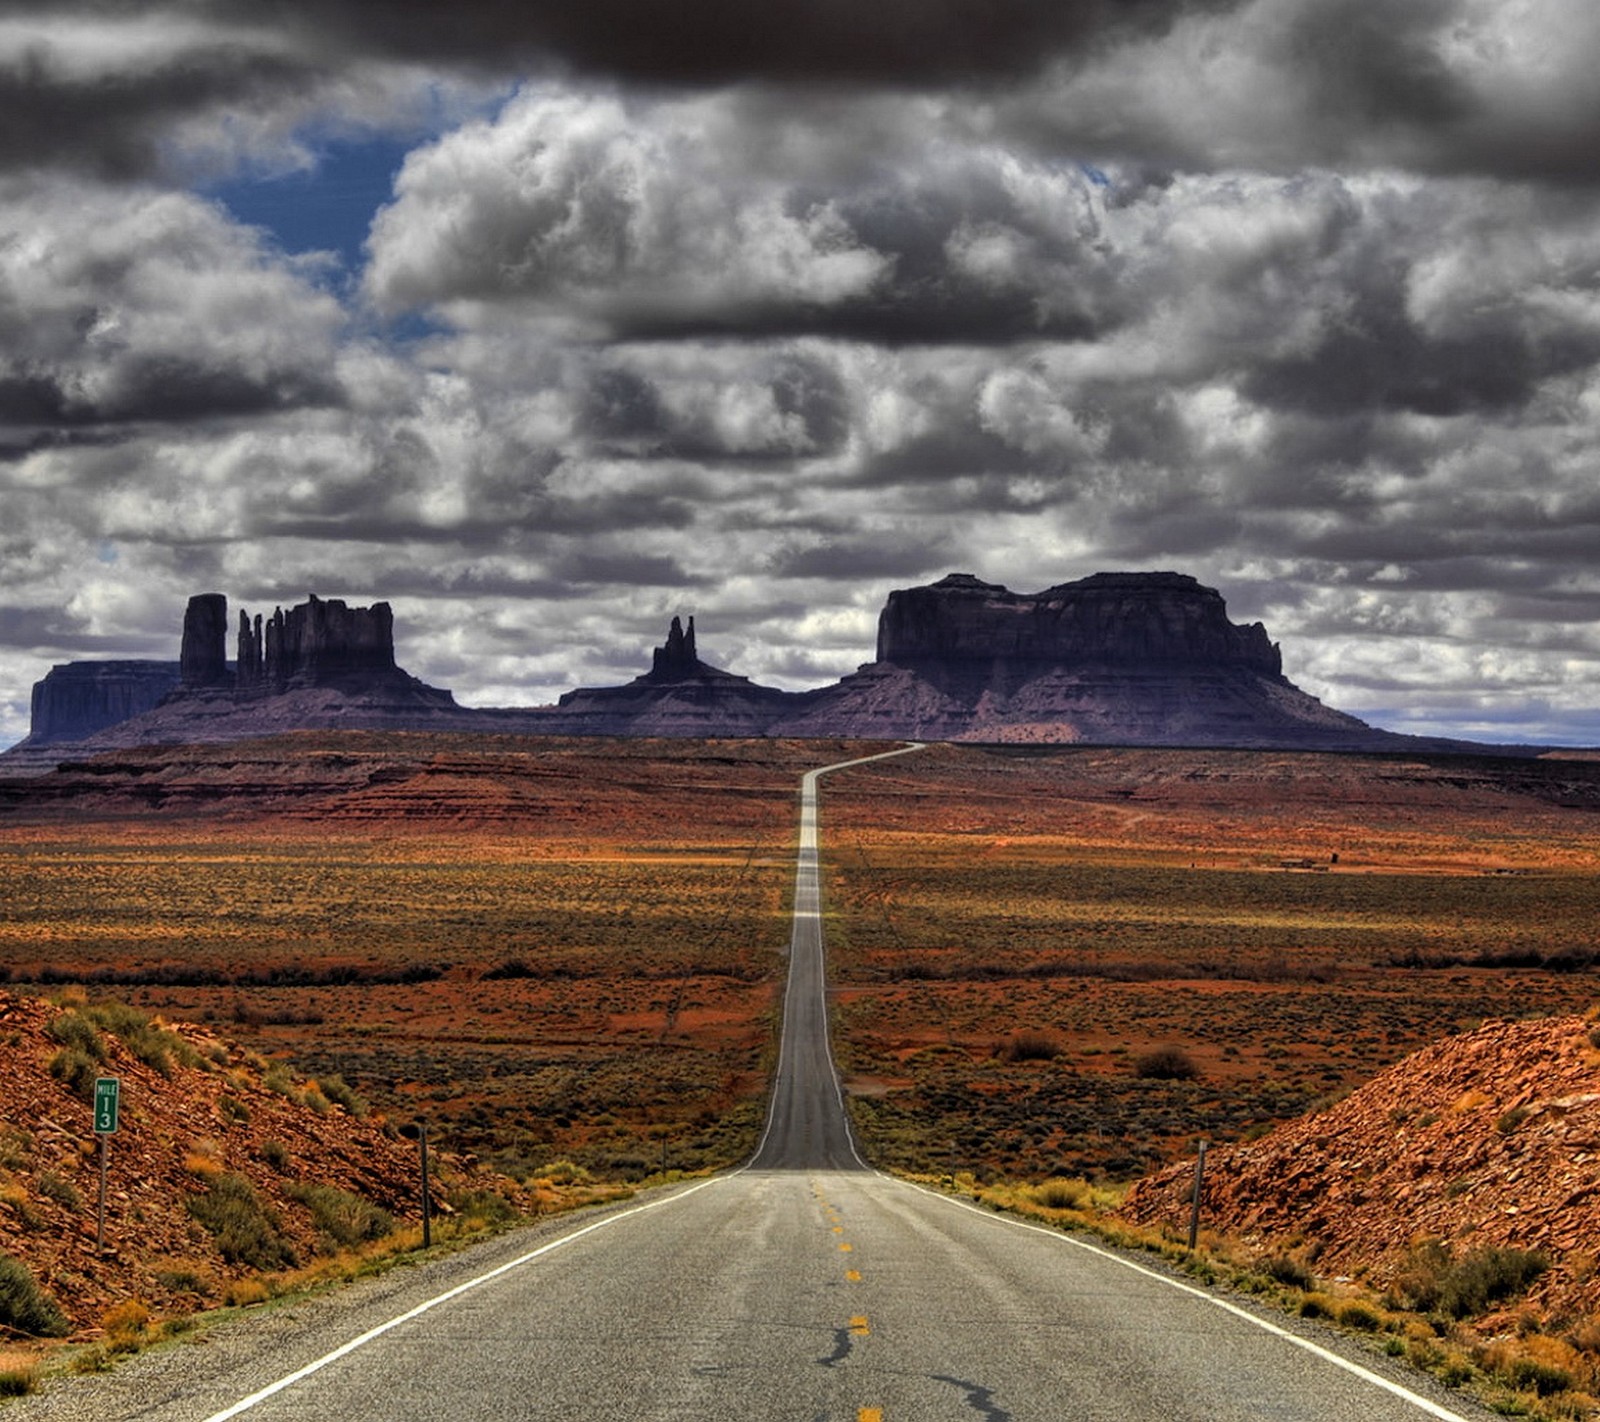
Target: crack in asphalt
x,y
841,1347
980,1399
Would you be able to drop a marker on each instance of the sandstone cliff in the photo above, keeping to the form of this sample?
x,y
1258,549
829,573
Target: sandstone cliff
x,y
1127,658
1145,621
679,696
1116,658
77,699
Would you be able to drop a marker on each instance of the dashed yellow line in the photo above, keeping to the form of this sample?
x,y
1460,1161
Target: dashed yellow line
x,y
845,1248
869,1414
853,1275
858,1326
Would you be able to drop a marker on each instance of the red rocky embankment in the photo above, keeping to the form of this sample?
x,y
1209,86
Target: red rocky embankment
x,y
1487,1139
179,1131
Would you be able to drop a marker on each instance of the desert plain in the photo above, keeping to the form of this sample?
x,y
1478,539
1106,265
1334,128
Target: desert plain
x,y
1045,961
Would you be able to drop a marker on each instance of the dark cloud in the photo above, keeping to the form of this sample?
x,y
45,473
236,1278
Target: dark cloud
x,y
116,123
746,406
899,42
872,555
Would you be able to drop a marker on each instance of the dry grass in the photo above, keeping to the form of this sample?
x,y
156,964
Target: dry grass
x,y
1133,907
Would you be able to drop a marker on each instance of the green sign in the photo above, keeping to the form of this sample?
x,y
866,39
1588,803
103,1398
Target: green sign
x,y
105,1105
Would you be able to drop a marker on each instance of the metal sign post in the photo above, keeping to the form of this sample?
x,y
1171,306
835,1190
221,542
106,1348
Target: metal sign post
x,y
1194,1202
427,1193
107,1090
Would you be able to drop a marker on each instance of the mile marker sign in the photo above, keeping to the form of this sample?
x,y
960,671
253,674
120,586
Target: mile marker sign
x,y
105,1105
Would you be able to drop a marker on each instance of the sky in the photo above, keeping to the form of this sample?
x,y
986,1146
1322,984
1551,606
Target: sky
x,y
546,322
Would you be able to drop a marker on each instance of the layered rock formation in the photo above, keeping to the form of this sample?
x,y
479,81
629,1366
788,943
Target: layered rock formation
x,y
315,644
1141,620
679,696
321,664
1128,658
76,699
203,659
1117,658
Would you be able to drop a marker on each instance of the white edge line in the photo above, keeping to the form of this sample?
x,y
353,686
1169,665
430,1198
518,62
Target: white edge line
x,y
1316,1349
272,1389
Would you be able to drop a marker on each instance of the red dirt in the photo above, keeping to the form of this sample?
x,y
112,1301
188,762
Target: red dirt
x,y
1487,1139
174,1136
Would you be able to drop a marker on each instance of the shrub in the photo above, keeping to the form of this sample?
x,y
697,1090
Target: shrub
x,y
75,1031
277,1079
55,1186
276,1154
1029,1046
1166,1064
338,1090
127,1320
483,1206
1435,1281
564,1172
241,1292
346,1219
1543,1378
76,1070
1356,1314
18,1382
1511,1120
1288,1270
245,1230
184,1276
16,1148
24,1306
1062,1194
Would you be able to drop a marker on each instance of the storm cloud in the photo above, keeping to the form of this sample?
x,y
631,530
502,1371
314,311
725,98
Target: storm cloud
x,y
675,311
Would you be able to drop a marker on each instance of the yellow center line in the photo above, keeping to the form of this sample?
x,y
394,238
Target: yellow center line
x,y
869,1414
858,1326
853,1275
844,1248
838,1229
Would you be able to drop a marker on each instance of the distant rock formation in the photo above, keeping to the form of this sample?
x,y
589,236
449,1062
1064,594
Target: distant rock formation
x,y
679,696
676,660
1116,658
76,699
1140,620
1121,658
204,655
315,644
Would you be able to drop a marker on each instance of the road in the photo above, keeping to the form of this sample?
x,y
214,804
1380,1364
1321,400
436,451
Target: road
x,y
804,1286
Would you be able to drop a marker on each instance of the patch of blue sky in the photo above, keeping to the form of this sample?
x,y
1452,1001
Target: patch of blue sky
x,y
328,207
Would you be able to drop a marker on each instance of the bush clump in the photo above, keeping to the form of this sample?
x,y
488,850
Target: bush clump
x,y
1166,1064
1029,1046
24,1306
1435,1281
246,1230
339,1091
344,1218
75,1032
154,1046
1286,1269
76,1070
1062,1194
55,1186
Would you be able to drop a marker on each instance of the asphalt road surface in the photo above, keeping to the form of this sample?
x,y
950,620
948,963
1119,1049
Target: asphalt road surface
x,y
803,1286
